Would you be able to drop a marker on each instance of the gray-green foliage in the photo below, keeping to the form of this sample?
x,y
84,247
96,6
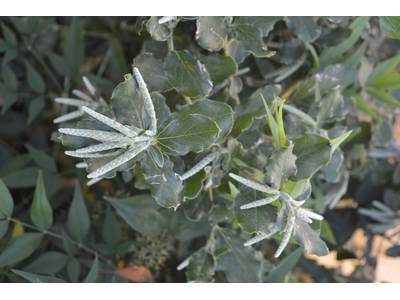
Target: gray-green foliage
x,y
201,127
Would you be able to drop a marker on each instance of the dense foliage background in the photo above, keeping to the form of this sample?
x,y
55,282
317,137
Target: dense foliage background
x,y
341,71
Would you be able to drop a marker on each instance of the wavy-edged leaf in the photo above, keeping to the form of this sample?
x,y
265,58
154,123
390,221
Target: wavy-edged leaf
x,y
250,39
304,27
181,133
221,214
159,32
258,219
299,190
198,207
165,185
140,213
140,22
312,151
187,75
194,184
201,267
237,52
281,165
308,237
212,32
41,211
239,262
152,72
20,248
220,67
327,78
78,217
265,23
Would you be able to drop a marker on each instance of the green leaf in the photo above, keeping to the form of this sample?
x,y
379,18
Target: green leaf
x,y
38,278
327,78
220,67
6,202
187,75
78,217
279,121
111,231
314,55
41,212
194,184
68,244
160,107
331,54
258,219
21,178
235,87
127,103
140,21
182,133
265,23
159,32
140,213
20,248
48,263
383,69
238,263
3,227
326,233
9,36
309,238
237,52
60,64
42,159
152,72
14,163
201,267
199,207
212,32
35,80
118,65
273,126
354,59
336,142
74,46
281,165
9,78
165,185
277,275
73,269
390,26
304,27
92,276
36,105
255,102
299,190
389,82
221,214
361,105
312,151
250,39
329,103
